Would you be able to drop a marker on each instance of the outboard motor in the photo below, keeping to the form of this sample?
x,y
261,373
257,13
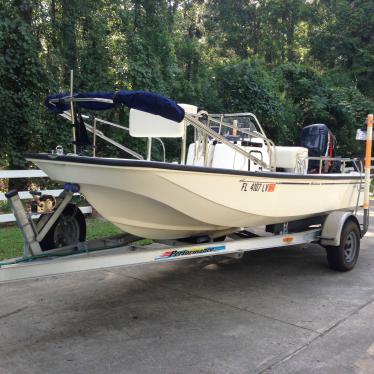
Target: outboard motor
x,y
320,143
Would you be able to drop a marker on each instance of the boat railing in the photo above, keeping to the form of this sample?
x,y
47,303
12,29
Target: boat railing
x,y
96,133
135,154
207,131
200,126
358,166
193,120
251,134
325,163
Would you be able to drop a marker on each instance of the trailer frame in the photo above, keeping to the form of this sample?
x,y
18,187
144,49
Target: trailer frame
x,y
119,251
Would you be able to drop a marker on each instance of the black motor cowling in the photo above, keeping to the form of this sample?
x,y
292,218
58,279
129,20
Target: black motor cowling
x,y
320,143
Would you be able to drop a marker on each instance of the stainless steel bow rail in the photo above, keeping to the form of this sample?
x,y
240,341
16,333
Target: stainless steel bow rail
x,y
122,250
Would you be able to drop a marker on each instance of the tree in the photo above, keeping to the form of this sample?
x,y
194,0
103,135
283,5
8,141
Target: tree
x,y
343,109
22,80
291,62
248,87
343,38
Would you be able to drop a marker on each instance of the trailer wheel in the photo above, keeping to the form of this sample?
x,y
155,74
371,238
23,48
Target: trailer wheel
x,y
70,228
344,256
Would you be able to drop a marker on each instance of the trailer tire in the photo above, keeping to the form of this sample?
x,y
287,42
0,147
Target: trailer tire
x,y
70,228
344,256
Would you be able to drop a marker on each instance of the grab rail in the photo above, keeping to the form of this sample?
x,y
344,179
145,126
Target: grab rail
x,y
268,142
342,160
97,133
208,131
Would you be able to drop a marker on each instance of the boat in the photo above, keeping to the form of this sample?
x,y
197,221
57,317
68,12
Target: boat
x,y
230,175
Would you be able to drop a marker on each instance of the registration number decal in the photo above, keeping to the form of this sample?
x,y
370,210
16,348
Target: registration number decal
x,y
257,186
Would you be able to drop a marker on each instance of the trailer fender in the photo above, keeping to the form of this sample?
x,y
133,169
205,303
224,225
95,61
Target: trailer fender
x,y
332,227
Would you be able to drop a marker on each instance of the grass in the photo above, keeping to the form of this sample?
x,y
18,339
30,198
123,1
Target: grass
x,y
98,228
11,240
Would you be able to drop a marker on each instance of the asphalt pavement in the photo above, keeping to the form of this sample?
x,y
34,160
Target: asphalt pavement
x,y
274,311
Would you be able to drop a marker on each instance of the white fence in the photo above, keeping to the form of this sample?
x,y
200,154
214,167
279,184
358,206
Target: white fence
x,y
10,174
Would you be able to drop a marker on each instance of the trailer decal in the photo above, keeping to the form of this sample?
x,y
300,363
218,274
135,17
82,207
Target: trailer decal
x,y
189,252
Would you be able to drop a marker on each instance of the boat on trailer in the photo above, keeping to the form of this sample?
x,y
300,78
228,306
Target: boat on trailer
x,y
230,180
158,200
231,175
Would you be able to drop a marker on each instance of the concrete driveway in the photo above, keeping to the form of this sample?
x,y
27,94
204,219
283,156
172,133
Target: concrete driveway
x,y
275,311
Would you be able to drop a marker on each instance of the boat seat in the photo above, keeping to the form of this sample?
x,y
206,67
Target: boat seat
x,y
146,125
291,159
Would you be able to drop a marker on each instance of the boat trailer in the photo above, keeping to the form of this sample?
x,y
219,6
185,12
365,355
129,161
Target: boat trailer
x,y
340,233
48,250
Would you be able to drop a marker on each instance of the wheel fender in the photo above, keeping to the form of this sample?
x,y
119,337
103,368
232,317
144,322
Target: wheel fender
x,y
333,225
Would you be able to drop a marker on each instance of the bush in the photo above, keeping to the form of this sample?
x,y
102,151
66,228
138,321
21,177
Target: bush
x,y
249,87
318,99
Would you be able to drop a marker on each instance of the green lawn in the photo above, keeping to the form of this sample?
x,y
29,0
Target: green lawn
x,y
11,240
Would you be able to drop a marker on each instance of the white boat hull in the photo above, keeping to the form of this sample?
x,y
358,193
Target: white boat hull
x,y
167,201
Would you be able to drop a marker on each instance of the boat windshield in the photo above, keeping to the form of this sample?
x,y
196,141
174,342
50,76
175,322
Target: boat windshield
x,y
225,123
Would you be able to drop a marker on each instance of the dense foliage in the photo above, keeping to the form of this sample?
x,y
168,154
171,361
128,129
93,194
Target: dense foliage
x,y
291,62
